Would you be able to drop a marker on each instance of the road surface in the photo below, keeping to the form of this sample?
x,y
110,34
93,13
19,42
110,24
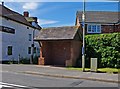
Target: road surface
x,y
14,80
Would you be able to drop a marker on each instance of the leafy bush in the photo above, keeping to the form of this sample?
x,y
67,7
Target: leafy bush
x,y
27,60
105,47
24,60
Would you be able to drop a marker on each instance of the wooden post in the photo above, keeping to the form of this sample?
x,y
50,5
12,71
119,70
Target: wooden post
x,y
41,58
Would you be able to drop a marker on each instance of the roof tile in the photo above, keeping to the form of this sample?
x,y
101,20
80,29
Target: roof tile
x,y
57,33
99,16
7,13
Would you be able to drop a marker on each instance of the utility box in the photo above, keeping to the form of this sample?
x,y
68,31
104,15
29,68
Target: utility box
x,y
93,64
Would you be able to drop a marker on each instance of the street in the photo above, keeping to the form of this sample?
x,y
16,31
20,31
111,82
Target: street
x,y
28,81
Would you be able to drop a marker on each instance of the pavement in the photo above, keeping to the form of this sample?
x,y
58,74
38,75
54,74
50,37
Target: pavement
x,y
60,72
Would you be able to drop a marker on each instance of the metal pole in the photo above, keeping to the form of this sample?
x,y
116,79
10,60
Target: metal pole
x,y
33,45
32,48
83,48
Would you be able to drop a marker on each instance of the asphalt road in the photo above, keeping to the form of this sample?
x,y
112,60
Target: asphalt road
x,y
13,80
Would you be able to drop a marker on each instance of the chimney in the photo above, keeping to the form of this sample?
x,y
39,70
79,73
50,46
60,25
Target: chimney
x,y
2,3
26,14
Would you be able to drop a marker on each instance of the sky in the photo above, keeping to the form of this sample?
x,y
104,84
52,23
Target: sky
x,y
52,14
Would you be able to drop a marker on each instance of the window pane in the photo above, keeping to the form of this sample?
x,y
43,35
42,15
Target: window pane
x,y
29,50
89,28
93,28
98,28
9,50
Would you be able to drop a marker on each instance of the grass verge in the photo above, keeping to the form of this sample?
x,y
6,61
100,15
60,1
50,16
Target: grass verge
x,y
100,70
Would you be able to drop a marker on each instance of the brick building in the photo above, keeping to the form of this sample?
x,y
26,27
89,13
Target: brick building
x,y
99,21
60,46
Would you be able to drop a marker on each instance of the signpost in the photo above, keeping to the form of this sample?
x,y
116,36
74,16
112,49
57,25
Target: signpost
x,y
83,48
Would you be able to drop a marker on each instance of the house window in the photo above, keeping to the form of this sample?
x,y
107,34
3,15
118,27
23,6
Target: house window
x,y
9,51
94,28
29,50
30,37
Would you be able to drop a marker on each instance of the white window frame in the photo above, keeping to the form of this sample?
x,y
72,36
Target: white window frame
x,y
91,28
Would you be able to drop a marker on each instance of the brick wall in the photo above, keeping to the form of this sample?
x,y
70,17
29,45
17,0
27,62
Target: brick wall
x,y
46,52
61,53
56,52
110,28
76,47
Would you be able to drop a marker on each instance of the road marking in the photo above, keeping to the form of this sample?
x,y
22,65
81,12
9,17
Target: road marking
x,y
10,85
4,86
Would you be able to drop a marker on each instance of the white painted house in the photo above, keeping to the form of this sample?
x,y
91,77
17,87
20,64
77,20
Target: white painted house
x,y
17,35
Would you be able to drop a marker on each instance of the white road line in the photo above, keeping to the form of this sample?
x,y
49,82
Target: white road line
x,y
12,85
4,86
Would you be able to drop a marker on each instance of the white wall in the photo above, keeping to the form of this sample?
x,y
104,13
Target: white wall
x,y
19,41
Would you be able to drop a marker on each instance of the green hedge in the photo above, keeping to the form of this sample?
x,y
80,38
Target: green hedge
x,y
105,47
